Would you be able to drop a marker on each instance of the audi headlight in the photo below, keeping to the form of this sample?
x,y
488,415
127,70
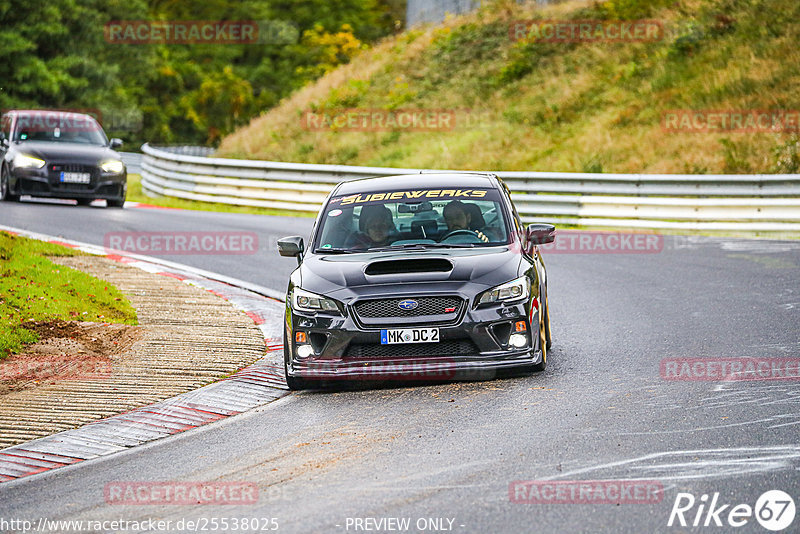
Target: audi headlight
x,y
112,166
509,292
306,301
28,162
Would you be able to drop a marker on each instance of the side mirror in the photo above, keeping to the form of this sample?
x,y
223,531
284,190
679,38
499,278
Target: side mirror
x,y
3,140
539,234
291,247
115,142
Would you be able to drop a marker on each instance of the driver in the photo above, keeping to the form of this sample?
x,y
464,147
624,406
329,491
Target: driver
x,y
457,216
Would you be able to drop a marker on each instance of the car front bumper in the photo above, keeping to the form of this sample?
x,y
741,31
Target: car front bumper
x,y
44,183
473,346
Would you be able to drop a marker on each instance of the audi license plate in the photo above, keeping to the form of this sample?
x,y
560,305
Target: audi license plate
x,y
410,335
75,177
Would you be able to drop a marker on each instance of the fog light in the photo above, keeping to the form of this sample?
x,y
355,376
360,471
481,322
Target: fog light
x,y
304,351
517,340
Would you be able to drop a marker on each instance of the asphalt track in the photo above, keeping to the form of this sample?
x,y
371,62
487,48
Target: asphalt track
x,y
445,455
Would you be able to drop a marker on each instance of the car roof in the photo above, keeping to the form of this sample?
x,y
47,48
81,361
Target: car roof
x,y
401,182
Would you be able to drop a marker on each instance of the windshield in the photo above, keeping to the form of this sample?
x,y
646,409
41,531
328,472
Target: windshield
x,y
59,127
410,219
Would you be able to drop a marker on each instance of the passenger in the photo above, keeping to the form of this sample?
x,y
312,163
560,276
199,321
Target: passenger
x,y
376,227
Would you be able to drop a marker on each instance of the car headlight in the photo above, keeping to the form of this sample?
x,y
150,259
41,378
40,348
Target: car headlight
x,y
28,162
112,165
509,292
306,301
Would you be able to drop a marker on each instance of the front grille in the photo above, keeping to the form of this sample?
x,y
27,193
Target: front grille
x,y
373,309
55,177
75,167
458,347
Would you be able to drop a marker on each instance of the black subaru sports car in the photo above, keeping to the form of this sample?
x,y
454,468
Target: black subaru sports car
x,y
59,154
416,277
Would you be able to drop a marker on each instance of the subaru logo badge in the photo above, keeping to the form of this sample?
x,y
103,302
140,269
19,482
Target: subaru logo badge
x,y
407,304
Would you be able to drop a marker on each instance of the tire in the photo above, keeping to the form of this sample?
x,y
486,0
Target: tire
x,y
539,367
549,343
119,201
5,187
294,383
84,201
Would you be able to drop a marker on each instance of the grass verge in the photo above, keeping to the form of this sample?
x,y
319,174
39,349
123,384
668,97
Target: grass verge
x,y
32,288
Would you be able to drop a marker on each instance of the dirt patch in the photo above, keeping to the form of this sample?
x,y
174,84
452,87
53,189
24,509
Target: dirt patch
x,y
67,350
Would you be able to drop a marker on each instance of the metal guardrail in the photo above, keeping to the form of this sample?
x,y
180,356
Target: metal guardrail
x,y
132,161
752,203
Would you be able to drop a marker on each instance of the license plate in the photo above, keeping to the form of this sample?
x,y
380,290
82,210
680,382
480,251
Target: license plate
x,y
75,177
409,335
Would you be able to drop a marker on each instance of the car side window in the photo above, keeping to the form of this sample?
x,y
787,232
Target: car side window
x,y
5,126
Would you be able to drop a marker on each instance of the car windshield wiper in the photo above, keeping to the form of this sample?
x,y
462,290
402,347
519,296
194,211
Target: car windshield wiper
x,y
336,251
422,246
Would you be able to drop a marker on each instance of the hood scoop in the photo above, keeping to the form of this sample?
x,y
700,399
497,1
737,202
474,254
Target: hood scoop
x,y
422,265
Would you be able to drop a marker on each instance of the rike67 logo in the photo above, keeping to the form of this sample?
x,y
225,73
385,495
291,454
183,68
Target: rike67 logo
x,y
774,510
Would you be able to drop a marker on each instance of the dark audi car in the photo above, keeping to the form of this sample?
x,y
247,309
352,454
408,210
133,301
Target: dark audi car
x,y
416,277
59,154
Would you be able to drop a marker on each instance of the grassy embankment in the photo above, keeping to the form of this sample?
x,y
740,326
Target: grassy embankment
x,y
32,288
550,106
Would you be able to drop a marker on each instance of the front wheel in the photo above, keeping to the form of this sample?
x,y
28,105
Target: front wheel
x,y
5,187
547,321
294,383
119,201
539,367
